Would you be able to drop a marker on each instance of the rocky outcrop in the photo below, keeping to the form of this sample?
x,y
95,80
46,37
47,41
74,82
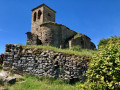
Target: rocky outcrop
x,y
48,63
5,78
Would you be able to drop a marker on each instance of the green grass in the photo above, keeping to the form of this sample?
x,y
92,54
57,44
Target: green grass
x,y
34,83
82,52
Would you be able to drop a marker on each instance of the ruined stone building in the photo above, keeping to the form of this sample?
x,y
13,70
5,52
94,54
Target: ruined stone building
x,y
44,31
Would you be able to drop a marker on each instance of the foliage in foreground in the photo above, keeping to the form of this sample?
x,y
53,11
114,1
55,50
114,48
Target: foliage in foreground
x,y
35,83
106,42
74,50
104,69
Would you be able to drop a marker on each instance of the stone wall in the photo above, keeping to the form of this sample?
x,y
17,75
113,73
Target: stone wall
x,y
32,39
48,63
55,34
82,41
48,14
35,24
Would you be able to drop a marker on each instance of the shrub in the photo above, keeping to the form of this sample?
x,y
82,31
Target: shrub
x,y
106,42
103,42
104,69
92,86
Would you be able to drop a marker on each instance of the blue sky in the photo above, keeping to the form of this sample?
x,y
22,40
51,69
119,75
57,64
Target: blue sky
x,y
97,19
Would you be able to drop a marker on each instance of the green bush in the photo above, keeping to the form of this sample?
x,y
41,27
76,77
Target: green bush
x,y
103,42
92,86
104,69
106,42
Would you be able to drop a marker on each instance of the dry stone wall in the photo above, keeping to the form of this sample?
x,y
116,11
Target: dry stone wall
x,y
48,63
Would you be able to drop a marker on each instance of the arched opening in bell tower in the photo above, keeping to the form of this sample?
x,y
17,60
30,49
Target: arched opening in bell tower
x,y
34,18
39,14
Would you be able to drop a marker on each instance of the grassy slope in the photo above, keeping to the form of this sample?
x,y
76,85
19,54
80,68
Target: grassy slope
x,y
33,83
82,52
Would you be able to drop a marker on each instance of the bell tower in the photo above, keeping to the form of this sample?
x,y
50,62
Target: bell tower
x,y
41,14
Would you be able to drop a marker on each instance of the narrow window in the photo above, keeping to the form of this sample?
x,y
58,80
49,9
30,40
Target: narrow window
x,y
39,14
34,19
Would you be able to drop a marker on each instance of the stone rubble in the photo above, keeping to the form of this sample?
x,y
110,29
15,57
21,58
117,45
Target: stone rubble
x,y
5,78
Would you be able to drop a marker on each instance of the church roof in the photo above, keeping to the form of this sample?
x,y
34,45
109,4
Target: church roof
x,y
41,6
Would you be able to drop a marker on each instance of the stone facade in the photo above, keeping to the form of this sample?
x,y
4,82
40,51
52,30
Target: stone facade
x,y
83,41
44,31
45,63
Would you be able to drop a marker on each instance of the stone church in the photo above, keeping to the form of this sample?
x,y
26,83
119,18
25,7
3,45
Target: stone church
x,y
44,31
